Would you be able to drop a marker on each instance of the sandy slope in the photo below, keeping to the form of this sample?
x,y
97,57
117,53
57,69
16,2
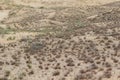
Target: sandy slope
x,y
61,3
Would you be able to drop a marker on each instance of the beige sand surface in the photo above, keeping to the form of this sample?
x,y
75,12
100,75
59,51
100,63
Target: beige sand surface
x,y
59,39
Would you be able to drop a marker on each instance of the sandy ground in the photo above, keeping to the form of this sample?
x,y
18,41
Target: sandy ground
x,y
3,14
59,40
62,3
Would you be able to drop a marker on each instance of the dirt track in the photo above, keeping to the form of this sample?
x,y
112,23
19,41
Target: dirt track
x,y
60,40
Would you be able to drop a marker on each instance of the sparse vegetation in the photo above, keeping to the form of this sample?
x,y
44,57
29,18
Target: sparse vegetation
x,y
59,39
11,38
6,31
